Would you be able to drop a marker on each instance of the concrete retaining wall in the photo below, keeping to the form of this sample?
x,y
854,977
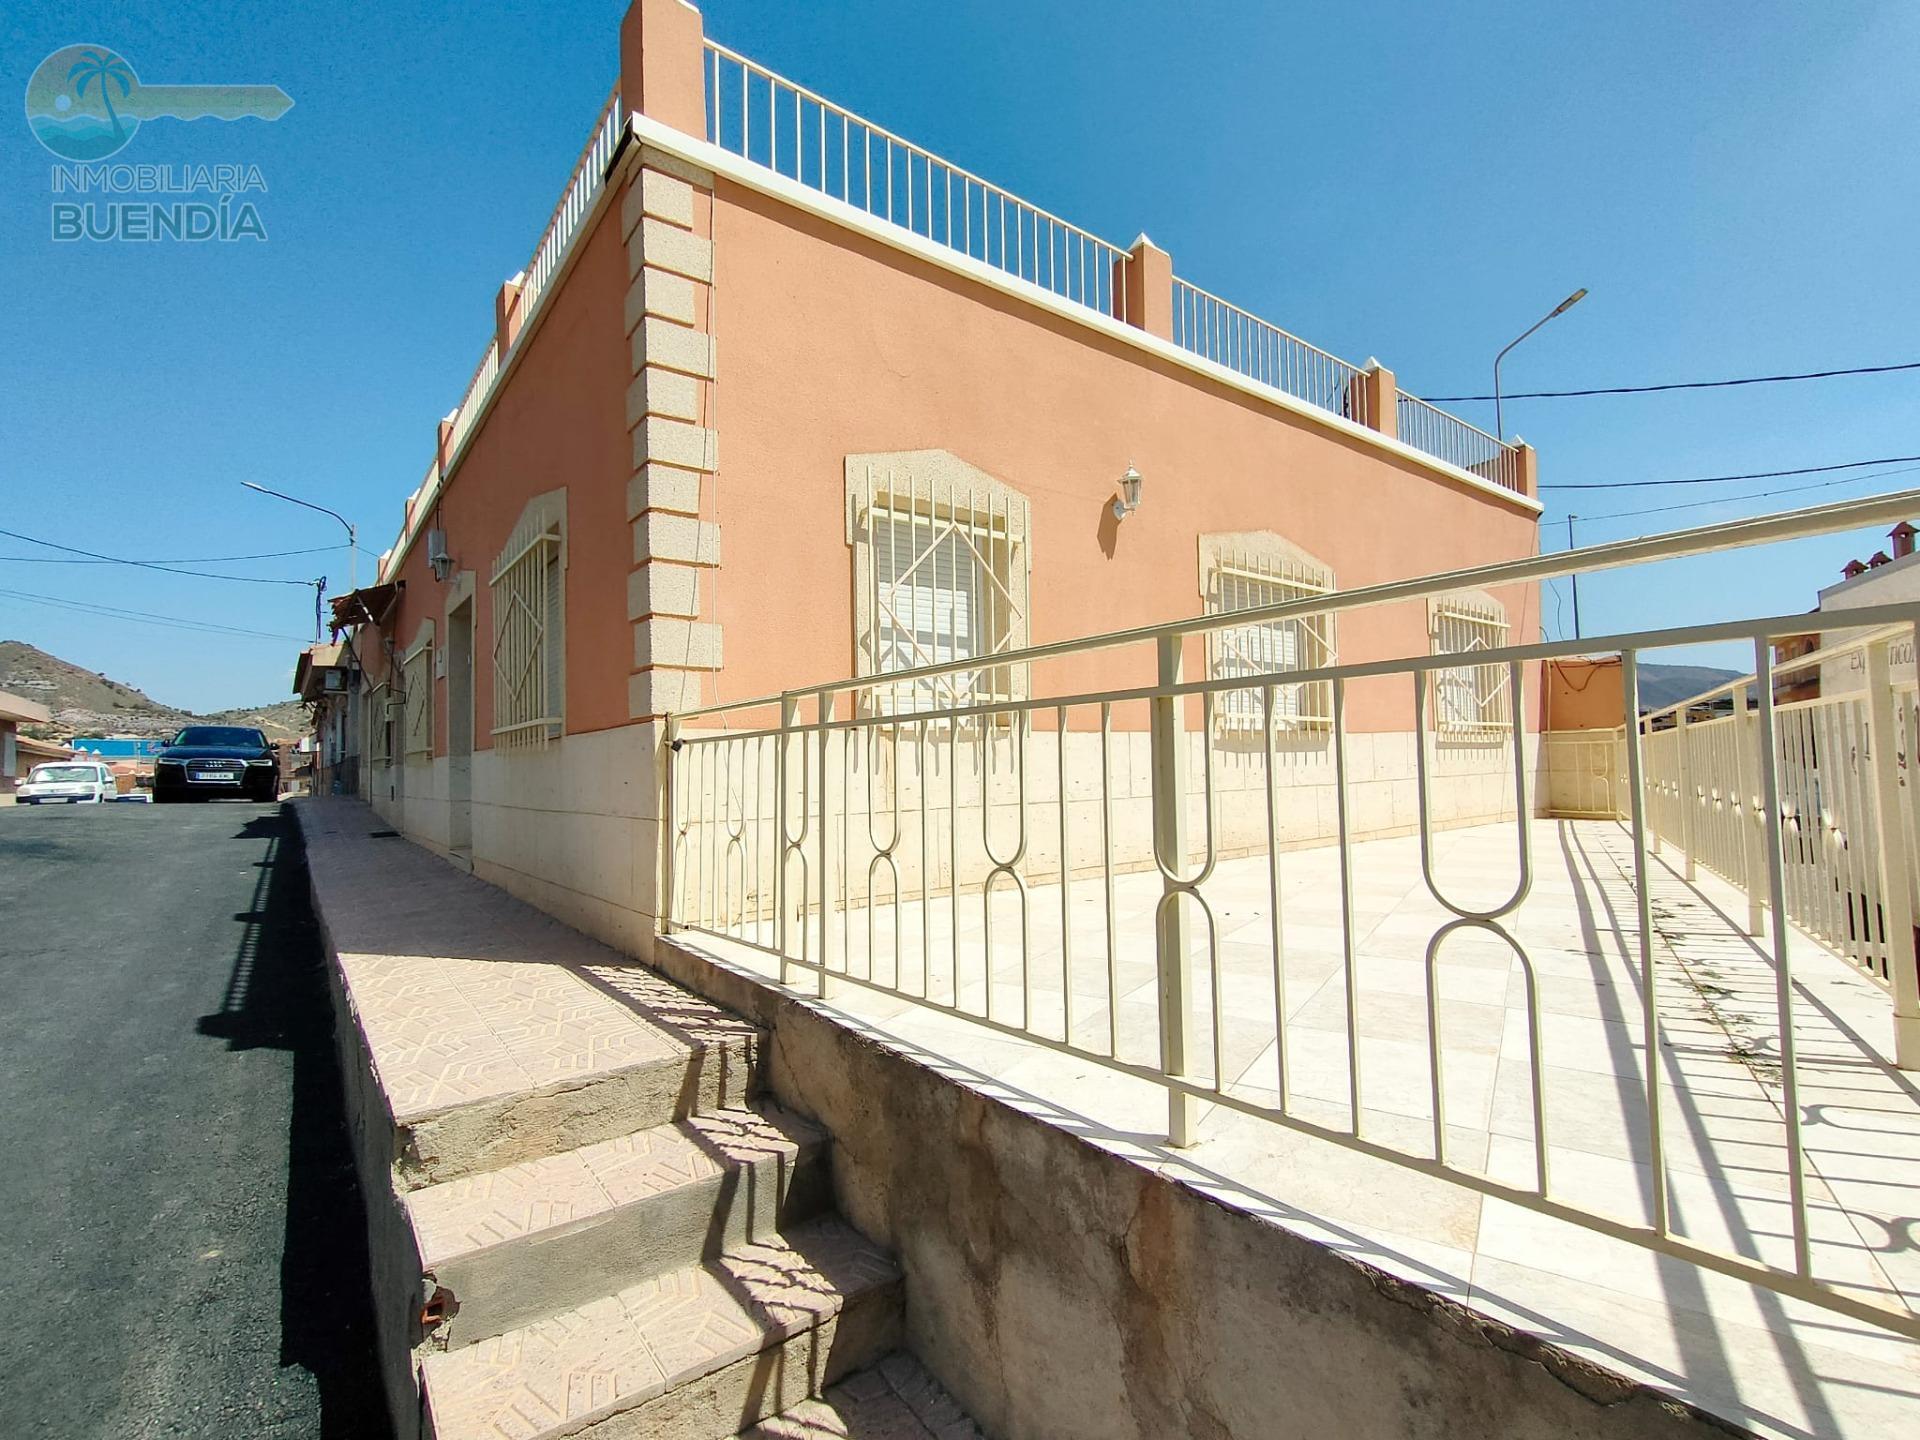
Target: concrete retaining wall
x,y
1061,1290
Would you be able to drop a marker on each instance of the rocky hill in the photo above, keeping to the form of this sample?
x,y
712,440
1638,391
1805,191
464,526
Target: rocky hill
x,y
86,703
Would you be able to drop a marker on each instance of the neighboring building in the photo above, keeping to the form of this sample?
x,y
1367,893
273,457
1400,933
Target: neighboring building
x,y
1584,692
1790,682
131,757
743,429
324,678
14,747
1882,579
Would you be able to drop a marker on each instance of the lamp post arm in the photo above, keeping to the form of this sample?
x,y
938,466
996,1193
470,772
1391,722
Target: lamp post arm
x,y
353,535
1560,309
1500,430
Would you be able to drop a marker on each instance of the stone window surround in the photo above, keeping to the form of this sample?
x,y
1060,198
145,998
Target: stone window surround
x,y
1220,548
940,478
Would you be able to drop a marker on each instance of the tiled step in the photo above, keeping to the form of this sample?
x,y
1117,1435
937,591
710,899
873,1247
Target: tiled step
x,y
505,1247
696,1354
893,1400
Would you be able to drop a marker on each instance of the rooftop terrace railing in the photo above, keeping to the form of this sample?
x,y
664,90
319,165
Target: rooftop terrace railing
x,y
795,132
1222,332
1447,437
798,133
563,226
556,242
895,853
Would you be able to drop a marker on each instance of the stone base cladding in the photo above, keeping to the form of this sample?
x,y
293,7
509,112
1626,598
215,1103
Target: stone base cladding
x,y
1468,784
663,210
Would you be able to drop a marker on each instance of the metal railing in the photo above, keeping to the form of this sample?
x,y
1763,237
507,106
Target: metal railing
x,y
1220,331
902,854
798,133
1447,437
1845,807
583,186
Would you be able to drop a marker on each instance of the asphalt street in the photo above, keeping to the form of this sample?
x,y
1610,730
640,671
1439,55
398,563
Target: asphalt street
x,y
182,1244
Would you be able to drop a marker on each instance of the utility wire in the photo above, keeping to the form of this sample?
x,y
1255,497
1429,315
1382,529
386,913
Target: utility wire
x,y
189,560
151,564
145,616
1736,499
1681,384
1727,479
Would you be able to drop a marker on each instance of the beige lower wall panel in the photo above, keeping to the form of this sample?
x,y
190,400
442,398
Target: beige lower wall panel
x,y
1467,784
571,827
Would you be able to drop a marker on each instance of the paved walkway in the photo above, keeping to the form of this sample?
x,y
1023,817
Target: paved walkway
x,y
1782,1366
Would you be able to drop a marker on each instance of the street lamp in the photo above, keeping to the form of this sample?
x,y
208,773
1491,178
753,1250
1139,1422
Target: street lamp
x,y
1565,305
353,535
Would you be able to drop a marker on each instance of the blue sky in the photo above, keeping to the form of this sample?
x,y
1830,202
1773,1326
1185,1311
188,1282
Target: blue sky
x,y
1419,183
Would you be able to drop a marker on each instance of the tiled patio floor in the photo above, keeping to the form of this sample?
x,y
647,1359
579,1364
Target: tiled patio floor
x,y
1782,1366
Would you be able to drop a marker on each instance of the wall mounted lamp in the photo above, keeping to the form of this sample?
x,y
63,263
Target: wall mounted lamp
x,y
1128,500
438,560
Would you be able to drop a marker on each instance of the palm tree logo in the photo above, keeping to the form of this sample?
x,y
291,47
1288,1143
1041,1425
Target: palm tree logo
x,y
84,102
110,70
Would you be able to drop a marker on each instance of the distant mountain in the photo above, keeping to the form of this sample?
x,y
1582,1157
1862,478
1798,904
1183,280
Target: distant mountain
x,y
86,703
1662,685
282,720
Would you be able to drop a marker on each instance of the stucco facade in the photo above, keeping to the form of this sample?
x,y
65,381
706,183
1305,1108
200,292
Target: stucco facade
x,y
714,368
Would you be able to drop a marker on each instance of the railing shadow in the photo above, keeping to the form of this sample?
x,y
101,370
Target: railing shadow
x,y
277,998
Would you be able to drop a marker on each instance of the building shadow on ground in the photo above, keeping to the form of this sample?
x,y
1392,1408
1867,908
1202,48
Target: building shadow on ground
x,y
277,997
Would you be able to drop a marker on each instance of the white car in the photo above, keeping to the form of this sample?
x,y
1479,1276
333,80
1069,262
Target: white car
x,y
67,782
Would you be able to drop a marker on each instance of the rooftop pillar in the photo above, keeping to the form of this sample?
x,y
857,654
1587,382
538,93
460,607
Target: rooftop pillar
x,y
1526,469
1373,399
1143,288
506,317
662,64
443,446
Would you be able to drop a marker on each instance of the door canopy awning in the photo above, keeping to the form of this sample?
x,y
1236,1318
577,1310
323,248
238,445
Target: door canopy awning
x,y
369,605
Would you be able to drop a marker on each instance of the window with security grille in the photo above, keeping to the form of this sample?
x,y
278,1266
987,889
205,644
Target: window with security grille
x,y
941,568
416,676
529,616
1247,572
1470,700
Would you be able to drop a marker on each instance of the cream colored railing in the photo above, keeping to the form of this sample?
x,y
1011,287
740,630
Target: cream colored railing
x,y
798,133
899,853
1845,805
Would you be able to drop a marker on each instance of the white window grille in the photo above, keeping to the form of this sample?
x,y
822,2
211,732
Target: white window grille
x,y
416,679
1243,572
529,617
1470,700
941,575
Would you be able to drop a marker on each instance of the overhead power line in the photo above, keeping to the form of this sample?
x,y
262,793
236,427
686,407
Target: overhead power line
x,y
176,560
1728,479
1736,499
1681,384
152,564
146,617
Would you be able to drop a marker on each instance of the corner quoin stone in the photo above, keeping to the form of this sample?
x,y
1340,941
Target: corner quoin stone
x,y
663,589
658,535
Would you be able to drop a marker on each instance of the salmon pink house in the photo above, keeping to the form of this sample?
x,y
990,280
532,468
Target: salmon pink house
x,y
783,399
